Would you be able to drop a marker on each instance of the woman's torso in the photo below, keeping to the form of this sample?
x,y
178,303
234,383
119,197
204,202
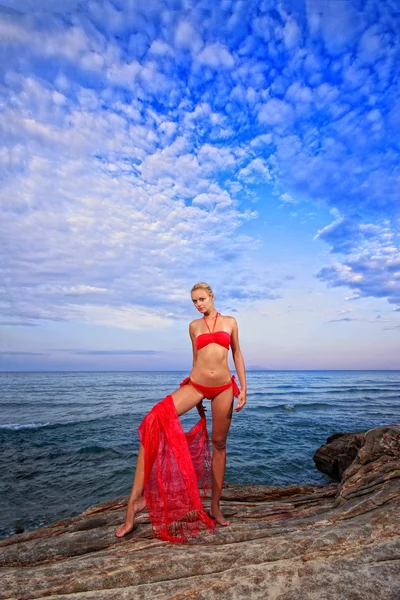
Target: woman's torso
x,y
211,365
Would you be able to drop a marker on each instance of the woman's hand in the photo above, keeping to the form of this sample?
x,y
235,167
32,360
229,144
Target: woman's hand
x,y
241,401
201,409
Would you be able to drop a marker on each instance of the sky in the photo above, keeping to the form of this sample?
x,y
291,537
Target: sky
x,y
149,145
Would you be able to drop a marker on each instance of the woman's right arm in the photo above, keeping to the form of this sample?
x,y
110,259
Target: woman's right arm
x,y
193,338
200,407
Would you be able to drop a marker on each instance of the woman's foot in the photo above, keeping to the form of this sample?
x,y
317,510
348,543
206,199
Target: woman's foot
x,y
131,510
217,515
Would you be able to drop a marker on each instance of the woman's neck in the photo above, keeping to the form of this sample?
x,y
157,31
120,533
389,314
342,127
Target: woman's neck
x,y
210,314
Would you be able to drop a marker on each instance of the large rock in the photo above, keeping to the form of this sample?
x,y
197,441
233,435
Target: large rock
x,y
305,542
338,453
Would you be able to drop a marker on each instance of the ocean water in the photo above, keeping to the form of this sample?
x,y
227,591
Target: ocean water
x,y
69,440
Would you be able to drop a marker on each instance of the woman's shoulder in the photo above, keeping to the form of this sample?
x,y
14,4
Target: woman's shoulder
x,y
231,321
194,323
228,317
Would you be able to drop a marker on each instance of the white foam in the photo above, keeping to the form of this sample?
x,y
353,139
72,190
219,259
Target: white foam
x,y
16,426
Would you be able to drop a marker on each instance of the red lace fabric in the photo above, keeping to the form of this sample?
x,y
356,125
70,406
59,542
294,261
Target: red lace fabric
x,y
175,466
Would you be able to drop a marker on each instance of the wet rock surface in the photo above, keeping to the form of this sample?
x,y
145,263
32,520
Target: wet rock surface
x,y
305,542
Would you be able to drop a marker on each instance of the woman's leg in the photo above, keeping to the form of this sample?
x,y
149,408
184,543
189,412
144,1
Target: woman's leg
x,y
184,398
136,501
221,408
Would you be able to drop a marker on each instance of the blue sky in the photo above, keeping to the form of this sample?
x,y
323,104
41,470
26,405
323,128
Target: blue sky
x,y
148,145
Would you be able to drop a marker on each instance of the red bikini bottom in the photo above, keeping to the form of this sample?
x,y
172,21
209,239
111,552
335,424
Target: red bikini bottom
x,y
211,391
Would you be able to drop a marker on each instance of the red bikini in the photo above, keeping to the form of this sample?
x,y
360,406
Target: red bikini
x,y
211,391
222,338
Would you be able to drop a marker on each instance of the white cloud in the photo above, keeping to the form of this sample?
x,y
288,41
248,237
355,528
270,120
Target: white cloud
x,y
160,48
216,56
291,34
46,6
126,317
261,140
337,24
369,259
124,74
72,290
221,200
275,112
186,37
298,93
370,48
214,159
287,199
255,172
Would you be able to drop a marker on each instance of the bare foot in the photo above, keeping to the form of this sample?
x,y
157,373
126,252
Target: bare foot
x,y
217,515
131,510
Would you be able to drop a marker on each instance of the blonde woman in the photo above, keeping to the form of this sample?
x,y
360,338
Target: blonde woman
x,y
171,464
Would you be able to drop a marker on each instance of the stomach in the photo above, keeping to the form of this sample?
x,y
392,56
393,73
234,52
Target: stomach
x,y
211,368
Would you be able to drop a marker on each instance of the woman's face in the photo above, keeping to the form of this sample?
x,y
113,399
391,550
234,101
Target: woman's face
x,y
202,300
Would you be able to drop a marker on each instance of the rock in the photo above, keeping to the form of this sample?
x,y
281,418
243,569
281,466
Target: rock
x,y
338,453
306,542
19,529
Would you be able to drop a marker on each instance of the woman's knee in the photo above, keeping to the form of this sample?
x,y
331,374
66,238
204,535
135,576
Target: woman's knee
x,y
218,442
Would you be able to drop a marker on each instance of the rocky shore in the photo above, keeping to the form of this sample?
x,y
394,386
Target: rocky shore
x,y
307,542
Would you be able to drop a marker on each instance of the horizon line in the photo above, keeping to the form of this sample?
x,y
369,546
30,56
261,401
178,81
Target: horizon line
x,y
185,370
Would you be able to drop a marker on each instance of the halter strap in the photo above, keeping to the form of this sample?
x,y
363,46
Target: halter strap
x,y
215,320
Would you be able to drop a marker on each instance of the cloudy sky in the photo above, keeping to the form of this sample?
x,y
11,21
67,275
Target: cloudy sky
x,y
147,145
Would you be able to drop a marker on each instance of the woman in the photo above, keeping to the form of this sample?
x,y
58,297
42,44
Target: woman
x,y
210,378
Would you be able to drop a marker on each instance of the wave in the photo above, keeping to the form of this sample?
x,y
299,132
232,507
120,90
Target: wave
x,y
312,391
17,426
21,426
375,398
272,392
96,450
309,391
294,406
53,404
134,386
285,387
346,390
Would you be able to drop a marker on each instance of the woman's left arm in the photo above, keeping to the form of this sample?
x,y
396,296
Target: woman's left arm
x,y
239,365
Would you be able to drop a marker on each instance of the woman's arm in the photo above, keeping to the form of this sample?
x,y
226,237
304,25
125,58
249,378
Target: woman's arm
x,y
239,365
200,408
193,338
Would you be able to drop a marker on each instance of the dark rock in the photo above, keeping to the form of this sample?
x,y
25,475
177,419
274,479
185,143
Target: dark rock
x,y
334,457
305,542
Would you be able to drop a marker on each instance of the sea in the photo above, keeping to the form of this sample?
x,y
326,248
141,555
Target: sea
x,y
68,440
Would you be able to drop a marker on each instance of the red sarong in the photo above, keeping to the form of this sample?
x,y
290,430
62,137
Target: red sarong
x,y
175,466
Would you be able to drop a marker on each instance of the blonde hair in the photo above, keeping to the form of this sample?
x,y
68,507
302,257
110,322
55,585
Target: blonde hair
x,y
202,286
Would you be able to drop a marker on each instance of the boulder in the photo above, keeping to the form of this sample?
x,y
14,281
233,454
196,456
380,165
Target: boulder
x,y
338,453
339,541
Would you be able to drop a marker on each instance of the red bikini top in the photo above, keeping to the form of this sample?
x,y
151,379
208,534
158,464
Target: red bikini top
x,y
222,338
